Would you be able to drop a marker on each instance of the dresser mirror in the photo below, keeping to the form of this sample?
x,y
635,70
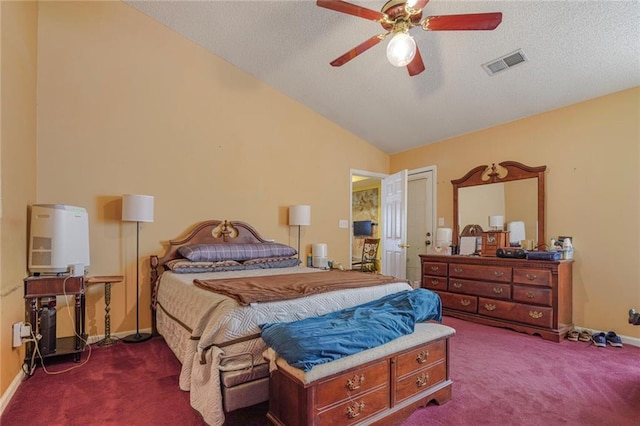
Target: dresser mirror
x,y
509,189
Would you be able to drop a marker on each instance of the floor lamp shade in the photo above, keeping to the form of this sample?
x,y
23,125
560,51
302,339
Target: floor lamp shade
x,y
300,215
137,208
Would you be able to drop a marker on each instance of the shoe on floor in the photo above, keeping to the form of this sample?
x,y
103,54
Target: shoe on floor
x,y
584,336
613,339
600,340
573,335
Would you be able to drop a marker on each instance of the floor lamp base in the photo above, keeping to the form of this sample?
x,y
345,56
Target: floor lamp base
x,y
137,338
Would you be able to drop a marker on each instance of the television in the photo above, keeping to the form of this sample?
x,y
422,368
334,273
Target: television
x,y
363,228
59,239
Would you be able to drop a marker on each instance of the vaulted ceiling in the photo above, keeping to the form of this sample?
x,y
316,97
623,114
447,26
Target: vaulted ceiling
x,y
575,50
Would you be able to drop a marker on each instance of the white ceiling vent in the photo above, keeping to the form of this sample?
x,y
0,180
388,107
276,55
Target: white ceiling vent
x,y
505,62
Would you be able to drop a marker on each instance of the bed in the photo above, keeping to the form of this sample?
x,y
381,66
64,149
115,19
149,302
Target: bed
x,y
216,337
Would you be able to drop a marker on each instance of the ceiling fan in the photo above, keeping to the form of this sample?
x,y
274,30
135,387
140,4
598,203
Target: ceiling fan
x,y
397,17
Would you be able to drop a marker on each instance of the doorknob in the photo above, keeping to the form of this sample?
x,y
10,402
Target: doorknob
x,y
428,242
404,245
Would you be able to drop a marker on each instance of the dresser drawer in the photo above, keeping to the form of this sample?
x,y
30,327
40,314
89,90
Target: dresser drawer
x,y
479,288
434,283
420,381
434,268
532,276
530,294
420,358
481,272
351,384
357,408
459,302
529,314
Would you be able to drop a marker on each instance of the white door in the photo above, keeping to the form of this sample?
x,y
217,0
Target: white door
x,y
394,229
420,220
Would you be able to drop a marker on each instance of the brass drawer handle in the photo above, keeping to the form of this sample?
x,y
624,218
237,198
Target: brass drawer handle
x,y
498,273
356,382
355,410
458,270
490,307
497,290
422,357
531,277
535,314
457,285
530,295
435,282
435,268
465,302
422,380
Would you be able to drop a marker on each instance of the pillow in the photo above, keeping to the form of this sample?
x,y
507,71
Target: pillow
x,y
271,262
239,252
182,266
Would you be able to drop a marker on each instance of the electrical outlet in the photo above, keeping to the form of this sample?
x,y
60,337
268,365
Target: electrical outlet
x,y
343,223
17,328
441,221
25,331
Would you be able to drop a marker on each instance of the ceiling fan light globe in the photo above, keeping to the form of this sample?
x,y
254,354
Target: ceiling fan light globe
x,y
401,50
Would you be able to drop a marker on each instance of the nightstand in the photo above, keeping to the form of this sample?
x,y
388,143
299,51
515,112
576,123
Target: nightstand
x,y
40,294
107,281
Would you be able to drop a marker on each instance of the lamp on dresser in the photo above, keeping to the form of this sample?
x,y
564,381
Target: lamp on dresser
x,y
137,208
299,215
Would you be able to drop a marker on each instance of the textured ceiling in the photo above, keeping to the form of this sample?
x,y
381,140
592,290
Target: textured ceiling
x,y
577,50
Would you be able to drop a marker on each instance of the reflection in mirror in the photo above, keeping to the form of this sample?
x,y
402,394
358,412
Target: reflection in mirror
x,y
509,189
515,201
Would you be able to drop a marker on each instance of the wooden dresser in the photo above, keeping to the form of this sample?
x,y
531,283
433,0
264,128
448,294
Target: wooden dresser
x,y
529,296
383,390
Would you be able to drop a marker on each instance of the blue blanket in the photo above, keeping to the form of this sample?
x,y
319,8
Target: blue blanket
x,y
322,339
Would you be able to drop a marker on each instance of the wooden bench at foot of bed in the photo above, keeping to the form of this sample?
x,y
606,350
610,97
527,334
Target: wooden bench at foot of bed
x,y
380,385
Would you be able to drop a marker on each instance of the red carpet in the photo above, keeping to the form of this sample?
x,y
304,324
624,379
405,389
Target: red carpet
x,y
500,377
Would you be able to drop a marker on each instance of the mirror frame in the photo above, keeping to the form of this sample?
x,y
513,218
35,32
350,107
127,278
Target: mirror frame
x,y
484,175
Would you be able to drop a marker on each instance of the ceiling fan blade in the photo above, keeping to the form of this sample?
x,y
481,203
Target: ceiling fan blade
x,y
352,9
473,21
416,66
358,50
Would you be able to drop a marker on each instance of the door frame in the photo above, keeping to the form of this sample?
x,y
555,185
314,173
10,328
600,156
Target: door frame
x,y
369,174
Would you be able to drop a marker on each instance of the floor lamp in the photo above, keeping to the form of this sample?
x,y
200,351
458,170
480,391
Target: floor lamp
x,y
137,208
299,215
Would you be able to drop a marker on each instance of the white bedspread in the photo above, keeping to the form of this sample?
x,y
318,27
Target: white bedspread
x,y
194,321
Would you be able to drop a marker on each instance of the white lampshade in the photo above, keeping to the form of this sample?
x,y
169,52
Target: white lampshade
x,y
517,231
401,49
137,208
444,236
300,215
496,221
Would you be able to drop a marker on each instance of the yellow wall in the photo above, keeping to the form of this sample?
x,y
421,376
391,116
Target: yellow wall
x,y
591,150
18,30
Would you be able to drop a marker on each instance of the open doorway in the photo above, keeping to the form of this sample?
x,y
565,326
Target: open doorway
x,y
421,213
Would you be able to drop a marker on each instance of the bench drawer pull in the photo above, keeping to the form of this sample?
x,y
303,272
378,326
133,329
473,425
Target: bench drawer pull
x,y
535,314
356,382
490,307
422,380
355,410
422,357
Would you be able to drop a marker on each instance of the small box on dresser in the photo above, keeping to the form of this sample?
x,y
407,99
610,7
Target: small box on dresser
x,y
529,296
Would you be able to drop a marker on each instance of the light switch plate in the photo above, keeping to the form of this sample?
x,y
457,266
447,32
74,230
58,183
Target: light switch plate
x,y
344,224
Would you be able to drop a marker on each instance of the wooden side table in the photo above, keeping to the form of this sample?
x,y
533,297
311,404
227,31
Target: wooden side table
x,y
107,281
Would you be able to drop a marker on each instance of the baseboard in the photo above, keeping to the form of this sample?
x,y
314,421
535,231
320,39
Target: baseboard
x,y
13,387
11,390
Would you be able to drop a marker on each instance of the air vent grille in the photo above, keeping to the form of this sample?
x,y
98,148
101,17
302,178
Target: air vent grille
x,y
505,62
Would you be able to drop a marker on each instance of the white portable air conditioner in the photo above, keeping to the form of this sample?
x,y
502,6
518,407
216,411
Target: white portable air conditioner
x,y
59,239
